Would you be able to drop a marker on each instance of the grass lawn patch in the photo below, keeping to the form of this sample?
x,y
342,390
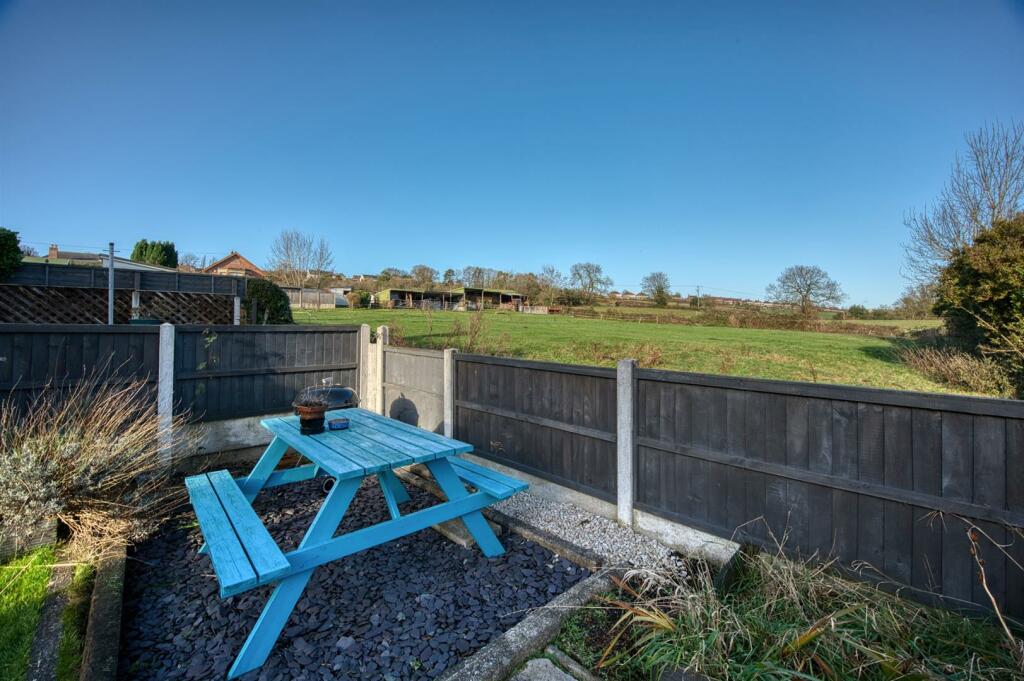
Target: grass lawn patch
x,y
22,593
783,620
764,353
73,623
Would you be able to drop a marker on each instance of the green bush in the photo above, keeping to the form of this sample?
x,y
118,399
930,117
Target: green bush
x,y
272,305
161,253
981,294
10,252
358,298
857,312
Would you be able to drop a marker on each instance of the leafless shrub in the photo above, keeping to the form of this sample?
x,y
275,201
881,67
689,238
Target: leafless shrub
x,y
958,369
94,456
474,336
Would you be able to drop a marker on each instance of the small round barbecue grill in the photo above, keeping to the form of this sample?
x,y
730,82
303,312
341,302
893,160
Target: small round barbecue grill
x,y
311,403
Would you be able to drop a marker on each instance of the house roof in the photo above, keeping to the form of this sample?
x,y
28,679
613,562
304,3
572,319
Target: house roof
x,y
95,260
462,290
243,262
404,289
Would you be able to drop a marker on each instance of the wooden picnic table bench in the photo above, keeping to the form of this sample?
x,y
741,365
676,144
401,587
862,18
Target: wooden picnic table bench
x,y
245,556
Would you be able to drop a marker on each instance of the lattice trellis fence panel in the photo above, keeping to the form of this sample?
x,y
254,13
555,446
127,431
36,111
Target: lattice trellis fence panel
x,y
58,305
186,308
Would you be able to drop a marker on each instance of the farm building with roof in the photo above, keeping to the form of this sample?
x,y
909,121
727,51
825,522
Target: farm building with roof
x,y
462,298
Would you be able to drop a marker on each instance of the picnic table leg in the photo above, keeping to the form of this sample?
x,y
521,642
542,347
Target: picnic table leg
x,y
394,493
475,522
260,473
286,594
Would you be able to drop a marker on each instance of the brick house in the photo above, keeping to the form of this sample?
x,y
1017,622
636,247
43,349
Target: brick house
x,y
237,265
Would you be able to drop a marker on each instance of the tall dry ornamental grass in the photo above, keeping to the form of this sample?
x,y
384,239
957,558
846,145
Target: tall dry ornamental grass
x,y
89,456
782,620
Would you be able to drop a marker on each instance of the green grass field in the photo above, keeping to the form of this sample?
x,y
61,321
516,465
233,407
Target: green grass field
x,y
789,355
22,592
689,313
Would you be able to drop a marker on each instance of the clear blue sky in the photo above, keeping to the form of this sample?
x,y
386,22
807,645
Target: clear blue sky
x,y
717,143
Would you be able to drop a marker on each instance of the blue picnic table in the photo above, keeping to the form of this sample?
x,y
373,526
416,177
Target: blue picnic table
x,y
245,556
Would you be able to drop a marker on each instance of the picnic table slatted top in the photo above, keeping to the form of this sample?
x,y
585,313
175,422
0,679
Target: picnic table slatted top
x,y
370,444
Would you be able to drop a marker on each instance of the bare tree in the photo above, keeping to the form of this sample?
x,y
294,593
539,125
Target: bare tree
x,y
985,185
189,263
423,276
551,283
806,286
656,285
290,257
295,257
589,279
480,277
321,263
916,302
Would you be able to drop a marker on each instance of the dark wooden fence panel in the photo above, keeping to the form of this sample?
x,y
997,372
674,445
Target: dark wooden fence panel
x,y
77,276
34,356
552,420
225,372
857,473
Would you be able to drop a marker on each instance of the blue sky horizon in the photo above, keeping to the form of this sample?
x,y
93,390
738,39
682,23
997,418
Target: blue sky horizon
x,y
718,144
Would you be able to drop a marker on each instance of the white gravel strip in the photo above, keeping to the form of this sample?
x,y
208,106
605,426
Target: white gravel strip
x,y
620,546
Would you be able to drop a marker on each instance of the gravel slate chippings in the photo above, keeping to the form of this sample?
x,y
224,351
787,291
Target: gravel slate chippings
x,y
409,609
617,544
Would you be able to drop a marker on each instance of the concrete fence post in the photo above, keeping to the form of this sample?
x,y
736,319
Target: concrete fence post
x,y
165,390
624,440
236,311
449,392
364,365
382,340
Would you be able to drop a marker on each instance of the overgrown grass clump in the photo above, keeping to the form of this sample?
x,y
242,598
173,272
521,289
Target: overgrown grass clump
x,y
786,620
959,370
22,593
